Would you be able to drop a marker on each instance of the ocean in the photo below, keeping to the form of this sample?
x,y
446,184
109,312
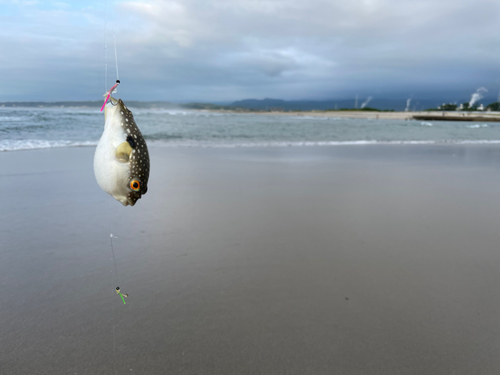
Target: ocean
x,y
37,128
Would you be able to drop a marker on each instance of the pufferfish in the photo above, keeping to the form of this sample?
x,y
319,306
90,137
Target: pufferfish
x,y
121,159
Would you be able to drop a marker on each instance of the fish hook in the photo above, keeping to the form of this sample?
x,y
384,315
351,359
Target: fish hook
x,y
109,93
121,295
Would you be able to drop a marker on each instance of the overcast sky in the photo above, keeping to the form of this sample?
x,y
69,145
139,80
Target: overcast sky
x,y
224,50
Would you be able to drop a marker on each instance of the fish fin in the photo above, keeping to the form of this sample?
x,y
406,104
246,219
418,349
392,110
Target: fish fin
x,y
123,151
131,141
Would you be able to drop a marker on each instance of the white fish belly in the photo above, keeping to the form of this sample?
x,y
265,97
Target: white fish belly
x,y
111,175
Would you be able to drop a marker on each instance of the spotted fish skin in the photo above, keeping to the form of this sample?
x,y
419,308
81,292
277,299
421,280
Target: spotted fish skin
x,y
121,159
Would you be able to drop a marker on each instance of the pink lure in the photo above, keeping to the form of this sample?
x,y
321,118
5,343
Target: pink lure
x,y
109,94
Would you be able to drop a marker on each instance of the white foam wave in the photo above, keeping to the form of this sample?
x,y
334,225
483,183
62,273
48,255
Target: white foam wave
x,y
32,144
300,117
424,123
476,126
176,112
10,118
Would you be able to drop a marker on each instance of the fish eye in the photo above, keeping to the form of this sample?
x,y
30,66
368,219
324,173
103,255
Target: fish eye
x,y
135,185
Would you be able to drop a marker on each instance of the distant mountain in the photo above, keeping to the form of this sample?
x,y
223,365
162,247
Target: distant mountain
x,y
309,105
205,106
262,104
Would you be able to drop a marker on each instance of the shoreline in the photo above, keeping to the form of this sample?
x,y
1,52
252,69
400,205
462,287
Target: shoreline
x,y
329,114
284,144
421,115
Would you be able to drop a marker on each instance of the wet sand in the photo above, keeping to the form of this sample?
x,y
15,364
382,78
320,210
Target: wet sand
x,y
379,259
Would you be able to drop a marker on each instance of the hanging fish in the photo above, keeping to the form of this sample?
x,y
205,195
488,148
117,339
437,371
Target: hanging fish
x,y
121,159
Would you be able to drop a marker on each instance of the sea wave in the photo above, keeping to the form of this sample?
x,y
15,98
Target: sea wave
x,y
477,126
10,118
175,112
23,127
33,144
162,136
304,117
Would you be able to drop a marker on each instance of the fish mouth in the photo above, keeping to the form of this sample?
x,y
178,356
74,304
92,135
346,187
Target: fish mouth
x,y
117,102
115,106
113,101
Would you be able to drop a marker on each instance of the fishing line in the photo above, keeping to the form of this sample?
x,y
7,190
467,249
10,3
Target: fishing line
x,y
108,94
116,283
109,208
115,87
105,45
112,249
116,55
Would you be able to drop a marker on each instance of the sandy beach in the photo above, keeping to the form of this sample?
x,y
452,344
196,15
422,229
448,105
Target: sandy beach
x,y
350,114
340,114
422,115
377,259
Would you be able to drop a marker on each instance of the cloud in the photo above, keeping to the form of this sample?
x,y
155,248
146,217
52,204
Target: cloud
x,y
274,63
223,50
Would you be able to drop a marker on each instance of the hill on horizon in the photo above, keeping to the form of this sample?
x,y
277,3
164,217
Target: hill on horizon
x,y
321,105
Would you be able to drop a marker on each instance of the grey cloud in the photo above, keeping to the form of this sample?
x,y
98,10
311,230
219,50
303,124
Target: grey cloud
x,y
224,50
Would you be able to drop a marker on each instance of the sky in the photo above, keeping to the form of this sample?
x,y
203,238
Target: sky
x,y
226,50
